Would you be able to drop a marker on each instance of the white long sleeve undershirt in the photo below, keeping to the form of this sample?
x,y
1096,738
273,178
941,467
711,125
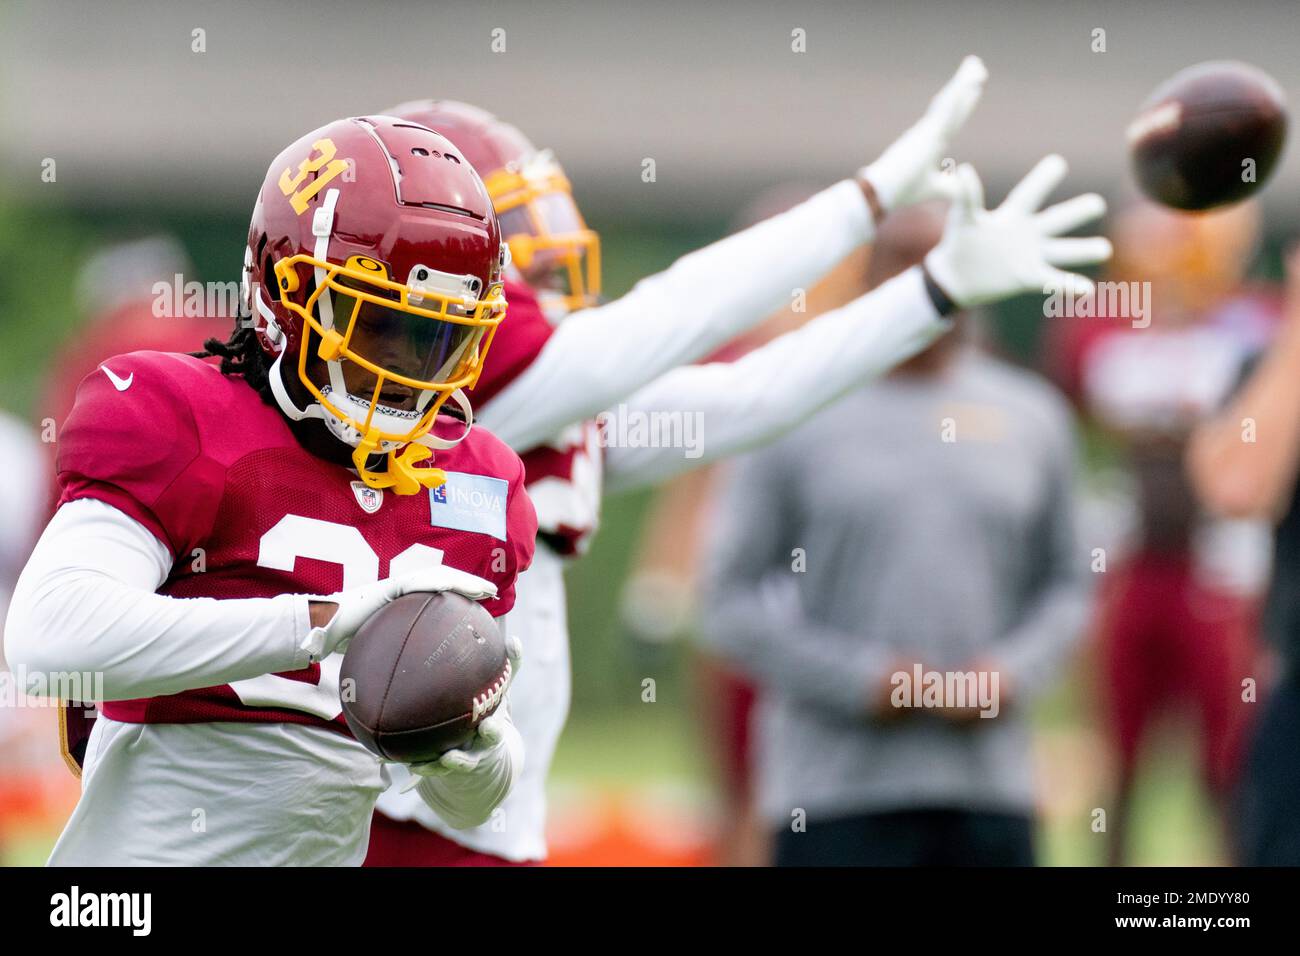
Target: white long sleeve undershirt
x,y
598,356
85,602
773,388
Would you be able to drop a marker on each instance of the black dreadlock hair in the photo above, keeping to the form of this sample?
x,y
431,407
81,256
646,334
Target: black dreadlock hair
x,y
242,355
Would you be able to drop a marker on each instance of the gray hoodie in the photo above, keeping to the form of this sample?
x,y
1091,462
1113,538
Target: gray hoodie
x,y
921,520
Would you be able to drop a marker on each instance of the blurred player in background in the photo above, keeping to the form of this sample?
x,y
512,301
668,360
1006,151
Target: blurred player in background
x,y
1243,463
26,733
625,359
1178,608
948,554
20,524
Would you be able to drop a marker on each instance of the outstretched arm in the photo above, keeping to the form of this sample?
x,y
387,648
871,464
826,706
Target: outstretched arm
x,y
709,297
983,256
735,406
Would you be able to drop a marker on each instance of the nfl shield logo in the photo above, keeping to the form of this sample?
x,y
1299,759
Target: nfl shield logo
x,y
368,498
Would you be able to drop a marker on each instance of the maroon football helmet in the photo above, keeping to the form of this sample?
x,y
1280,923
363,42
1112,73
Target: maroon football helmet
x,y
550,243
375,264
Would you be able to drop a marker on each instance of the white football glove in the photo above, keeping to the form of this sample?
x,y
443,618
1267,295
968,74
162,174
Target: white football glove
x,y
987,255
908,171
355,605
465,785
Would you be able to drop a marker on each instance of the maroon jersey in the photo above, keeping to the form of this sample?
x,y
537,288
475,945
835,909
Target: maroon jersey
x,y
563,476
245,511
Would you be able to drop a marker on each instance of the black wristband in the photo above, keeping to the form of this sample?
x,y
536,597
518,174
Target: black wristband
x,y
943,304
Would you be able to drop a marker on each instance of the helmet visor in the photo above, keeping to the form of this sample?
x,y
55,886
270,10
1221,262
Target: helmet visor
x,y
416,350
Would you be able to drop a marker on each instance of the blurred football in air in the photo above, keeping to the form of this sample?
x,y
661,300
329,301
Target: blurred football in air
x,y
1208,136
421,674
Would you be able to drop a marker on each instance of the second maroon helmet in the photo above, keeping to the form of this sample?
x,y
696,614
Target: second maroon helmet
x,y
549,240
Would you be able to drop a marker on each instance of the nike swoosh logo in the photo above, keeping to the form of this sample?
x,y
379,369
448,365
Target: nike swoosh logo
x,y
119,383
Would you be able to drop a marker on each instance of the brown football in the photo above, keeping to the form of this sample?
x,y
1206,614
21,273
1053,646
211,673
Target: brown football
x,y
1208,136
421,674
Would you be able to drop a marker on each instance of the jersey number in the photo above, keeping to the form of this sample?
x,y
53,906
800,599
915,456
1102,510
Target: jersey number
x,y
320,161
295,537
